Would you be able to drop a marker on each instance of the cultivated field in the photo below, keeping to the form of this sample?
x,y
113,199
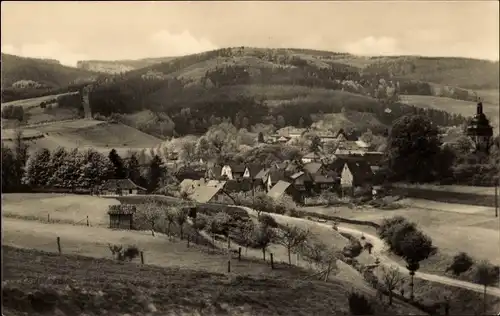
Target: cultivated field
x,y
83,134
117,288
35,102
464,108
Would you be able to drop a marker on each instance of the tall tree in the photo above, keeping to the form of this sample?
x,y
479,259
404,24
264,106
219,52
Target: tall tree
x,y
117,161
38,169
412,149
21,158
8,172
57,163
156,173
134,170
95,168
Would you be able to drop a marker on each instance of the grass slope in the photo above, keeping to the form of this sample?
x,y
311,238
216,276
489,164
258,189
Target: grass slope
x,y
464,108
70,285
102,136
114,66
15,68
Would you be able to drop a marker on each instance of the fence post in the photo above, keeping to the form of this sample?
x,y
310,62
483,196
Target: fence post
x,y
188,239
239,253
48,217
142,257
88,220
229,266
59,244
272,261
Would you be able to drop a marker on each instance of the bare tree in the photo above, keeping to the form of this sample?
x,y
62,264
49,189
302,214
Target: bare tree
x,y
486,274
263,237
181,218
151,214
170,218
245,234
390,278
322,256
291,237
199,223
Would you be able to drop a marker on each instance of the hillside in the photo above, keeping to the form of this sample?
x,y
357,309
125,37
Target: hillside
x,y
70,285
99,135
119,66
286,87
41,73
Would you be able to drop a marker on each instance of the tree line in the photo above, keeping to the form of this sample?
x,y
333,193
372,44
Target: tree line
x,y
74,169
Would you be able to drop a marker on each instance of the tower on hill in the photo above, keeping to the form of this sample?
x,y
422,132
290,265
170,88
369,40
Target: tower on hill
x,y
480,130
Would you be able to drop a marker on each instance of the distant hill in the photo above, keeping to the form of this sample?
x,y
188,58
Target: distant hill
x,y
31,73
119,66
285,86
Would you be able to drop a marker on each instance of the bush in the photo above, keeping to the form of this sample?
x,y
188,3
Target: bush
x,y
359,304
268,220
129,253
462,262
353,249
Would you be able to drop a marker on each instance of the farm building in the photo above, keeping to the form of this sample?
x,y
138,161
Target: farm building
x,y
203,191
121,216
283,187
120,187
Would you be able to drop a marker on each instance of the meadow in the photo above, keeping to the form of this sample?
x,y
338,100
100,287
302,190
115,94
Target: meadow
x,y
85,134
465,108
79,284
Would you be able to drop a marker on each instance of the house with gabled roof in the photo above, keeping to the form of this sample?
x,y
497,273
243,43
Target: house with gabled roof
x,y
203,191
312,157
283,187
120,187
353,173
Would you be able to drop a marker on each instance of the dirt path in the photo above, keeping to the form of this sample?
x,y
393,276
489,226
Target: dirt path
x,y
378,247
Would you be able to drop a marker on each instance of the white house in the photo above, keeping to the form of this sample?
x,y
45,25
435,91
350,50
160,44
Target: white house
x,y
227,172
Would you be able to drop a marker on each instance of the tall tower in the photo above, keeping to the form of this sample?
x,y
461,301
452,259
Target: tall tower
x,y
480,130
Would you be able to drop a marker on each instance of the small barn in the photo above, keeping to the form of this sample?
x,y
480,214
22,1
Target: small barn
x,y
120,187
121,216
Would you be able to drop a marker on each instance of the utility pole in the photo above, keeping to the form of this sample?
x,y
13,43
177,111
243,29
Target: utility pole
x,y
496,198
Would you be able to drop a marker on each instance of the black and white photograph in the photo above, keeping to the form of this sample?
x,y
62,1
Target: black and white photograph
x,y
250,158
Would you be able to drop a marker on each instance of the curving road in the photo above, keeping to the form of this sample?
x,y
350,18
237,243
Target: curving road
x,y
377,250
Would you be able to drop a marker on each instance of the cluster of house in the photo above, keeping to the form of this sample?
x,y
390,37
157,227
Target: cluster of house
x,y
353,165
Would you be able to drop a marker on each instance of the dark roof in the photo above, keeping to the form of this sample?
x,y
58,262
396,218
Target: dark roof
x,y
122,209
313,167
319,178
237,168
360,170
262,174
124,184
238,185
254,169
216,170
277,175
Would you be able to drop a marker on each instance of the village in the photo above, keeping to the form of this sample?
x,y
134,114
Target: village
x,y
349,171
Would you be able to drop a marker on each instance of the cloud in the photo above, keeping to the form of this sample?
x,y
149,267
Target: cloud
x,y
48,49
374,46
170,44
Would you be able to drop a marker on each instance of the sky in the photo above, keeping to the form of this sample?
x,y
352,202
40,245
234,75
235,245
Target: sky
x,y
72,31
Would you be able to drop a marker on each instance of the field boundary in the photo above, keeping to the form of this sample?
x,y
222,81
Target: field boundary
x,y
429,193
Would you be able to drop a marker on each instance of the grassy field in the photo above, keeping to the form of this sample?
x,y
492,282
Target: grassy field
x,y
99,286
450,188
61,208
452,232
101,136
35,102
464,108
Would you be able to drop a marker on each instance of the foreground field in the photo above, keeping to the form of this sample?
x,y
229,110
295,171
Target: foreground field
x,y
78,284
